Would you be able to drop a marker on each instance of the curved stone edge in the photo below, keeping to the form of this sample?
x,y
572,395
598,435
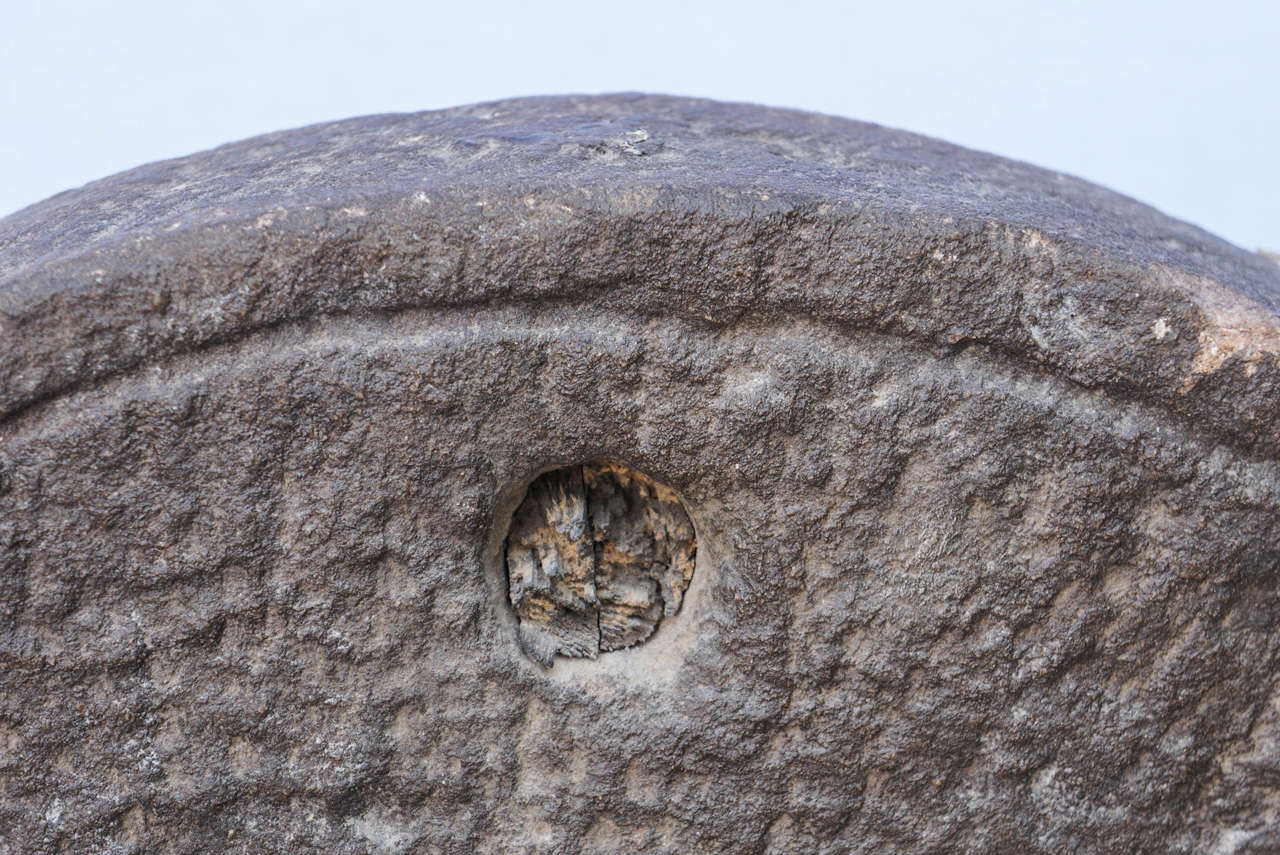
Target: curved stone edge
x,y
759,239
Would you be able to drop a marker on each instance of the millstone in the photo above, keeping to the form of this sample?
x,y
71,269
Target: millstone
x,y
971,466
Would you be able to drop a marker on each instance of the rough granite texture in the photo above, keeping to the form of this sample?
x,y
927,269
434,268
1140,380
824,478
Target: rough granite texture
x,y
982,462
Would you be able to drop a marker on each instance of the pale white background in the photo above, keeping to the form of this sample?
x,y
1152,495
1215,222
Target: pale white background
x,y
1176,103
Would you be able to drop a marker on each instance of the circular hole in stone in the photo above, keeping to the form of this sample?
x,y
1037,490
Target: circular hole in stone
x,y
596,557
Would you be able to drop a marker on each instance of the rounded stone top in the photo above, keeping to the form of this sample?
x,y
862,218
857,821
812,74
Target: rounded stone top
x,y
633,474
715,213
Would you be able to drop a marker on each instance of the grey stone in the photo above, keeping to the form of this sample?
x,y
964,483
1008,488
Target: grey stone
x,y
981,461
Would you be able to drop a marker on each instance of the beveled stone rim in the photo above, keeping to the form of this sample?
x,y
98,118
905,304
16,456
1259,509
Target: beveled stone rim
x,y
192,253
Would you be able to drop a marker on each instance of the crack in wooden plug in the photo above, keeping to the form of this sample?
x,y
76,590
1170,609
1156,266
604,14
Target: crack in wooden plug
x,y
596,557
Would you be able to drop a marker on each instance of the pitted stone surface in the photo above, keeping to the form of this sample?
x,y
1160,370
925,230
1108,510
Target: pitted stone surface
x,y
982,460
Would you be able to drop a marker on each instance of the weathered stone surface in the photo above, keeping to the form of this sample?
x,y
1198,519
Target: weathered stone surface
x,y
981,459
